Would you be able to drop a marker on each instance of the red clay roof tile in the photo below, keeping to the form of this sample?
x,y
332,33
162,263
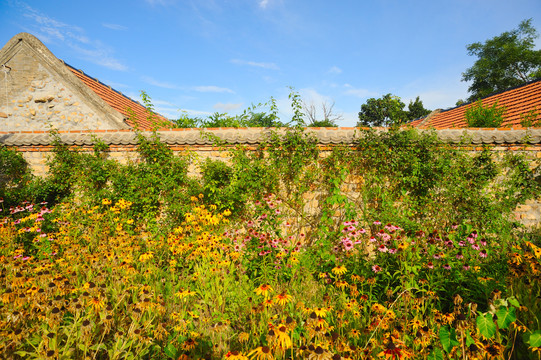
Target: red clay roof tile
x,y
120,102
517,101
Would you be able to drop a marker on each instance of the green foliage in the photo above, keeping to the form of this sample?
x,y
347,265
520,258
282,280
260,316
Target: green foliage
x,y
412,177
505,61
531,119
389,111
416,109
14,176
480,116
385,111
448,338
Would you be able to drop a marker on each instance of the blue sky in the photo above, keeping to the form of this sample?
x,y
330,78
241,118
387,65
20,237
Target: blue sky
x,y
206,56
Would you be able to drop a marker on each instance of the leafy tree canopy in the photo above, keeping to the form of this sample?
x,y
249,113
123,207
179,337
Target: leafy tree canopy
x,y
389,110
504,61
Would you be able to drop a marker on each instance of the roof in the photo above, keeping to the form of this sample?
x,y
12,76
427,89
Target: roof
x,y
120,102
254,136
517,101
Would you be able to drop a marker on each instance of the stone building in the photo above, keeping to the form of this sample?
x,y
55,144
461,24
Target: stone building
x,y
39,91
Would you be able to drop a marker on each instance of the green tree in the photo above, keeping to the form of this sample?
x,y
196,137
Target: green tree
x,y
480,116
504,61
385,111
417,110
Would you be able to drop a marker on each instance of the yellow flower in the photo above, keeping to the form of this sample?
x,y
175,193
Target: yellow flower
x,y
106,202
339,270
243,337
261,353
282,338
235,355
378,308
282,298
263,290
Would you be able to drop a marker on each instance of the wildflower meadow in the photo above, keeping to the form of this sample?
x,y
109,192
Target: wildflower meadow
x,y
141,261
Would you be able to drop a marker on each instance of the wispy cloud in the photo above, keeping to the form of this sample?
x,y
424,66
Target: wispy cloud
x,y
227,107
160,2
115,27
358,92
335,70
263,3
50,30
162,84
213,89
264,65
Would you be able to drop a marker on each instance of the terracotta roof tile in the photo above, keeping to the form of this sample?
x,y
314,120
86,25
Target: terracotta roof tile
x,y
118,101
253,136
517,101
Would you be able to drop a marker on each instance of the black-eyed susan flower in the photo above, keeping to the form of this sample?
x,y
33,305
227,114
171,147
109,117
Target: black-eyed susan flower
x,y
263,289
282,298
339,270
235,355
261,353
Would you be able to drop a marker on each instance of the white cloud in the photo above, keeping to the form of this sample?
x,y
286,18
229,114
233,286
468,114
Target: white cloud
x,y
358,92
264,65
160,2
227,107
115,27
263,3
154,82
212,88
335,70
51,30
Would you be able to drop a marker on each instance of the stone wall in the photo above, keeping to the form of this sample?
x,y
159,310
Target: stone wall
x,y
32,98
36,148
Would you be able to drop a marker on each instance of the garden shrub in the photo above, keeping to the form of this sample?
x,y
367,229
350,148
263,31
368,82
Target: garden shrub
x,y
14,176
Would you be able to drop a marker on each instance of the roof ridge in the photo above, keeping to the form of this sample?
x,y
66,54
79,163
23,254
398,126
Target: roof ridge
x,y
106,85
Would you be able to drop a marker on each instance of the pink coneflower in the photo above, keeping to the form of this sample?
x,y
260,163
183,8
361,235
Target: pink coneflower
x,y
430,265
461,243
474,234
250,223
377,222
483,242
346,223
475,247
348,245
459,256
466,267
382,248
437,256
362,231
483,253
376,268
454,226
277,212
447,267
471,240
372,239
392,251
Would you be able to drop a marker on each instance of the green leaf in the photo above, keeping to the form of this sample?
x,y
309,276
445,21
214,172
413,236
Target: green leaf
x,y
469,340
506,317
448,338
171,351
485,325
534,339
436,354
513,301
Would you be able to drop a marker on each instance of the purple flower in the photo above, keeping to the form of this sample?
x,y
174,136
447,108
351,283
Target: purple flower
x,y
483,253
376,268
